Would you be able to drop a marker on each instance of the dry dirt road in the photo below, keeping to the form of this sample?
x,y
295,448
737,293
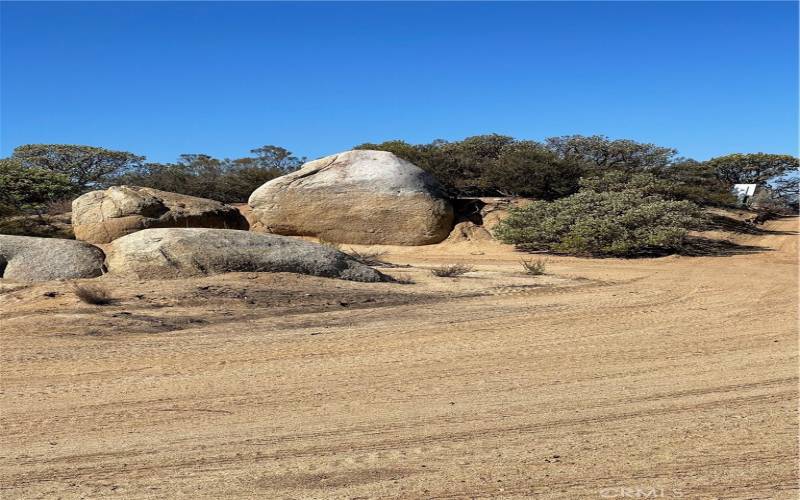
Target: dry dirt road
x,y
654,378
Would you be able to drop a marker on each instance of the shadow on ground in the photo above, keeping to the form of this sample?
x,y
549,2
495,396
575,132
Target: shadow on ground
x,y
706,247
724,223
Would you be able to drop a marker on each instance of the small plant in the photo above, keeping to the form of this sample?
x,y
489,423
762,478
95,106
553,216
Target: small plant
x,y
451,270
402,279
93,294
367,257
534,267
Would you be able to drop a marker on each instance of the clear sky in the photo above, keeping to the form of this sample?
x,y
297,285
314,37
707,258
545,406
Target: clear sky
x,y
161,79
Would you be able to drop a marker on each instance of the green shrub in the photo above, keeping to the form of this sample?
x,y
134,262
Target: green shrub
x,y
527,168
622,223
29,189
687,181
491,165
534,267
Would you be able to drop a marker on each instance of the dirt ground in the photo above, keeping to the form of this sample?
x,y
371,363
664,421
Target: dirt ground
x,y
651,378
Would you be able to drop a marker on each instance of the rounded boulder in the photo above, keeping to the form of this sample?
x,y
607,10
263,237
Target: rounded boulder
x,y
177,253
362,197
25,258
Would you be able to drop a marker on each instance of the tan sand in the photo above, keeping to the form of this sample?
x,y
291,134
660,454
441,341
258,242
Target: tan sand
x,y
675,375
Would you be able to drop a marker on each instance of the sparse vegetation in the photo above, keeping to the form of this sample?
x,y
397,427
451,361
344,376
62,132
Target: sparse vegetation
x,y
368,257
226,180
402,279
534,267
451,270
93,294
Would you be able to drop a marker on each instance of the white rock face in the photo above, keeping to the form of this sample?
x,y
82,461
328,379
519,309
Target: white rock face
x,y
364,197
177,253
103,216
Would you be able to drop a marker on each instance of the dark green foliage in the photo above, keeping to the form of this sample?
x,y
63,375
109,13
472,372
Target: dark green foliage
x,y
674,183
752,168
526,168
225,180
601,153
621,223
490,165
29,189
84,166
696,182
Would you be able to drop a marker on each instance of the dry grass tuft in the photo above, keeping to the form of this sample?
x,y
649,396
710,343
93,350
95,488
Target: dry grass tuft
x,y
93,294
534,267
451,270
367,257
402,279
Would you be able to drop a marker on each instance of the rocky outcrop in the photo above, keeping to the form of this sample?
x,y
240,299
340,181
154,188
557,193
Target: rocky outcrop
x,y
363,197
469,231
25,258
174,253
103,216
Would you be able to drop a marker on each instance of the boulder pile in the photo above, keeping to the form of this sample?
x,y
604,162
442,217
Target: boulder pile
x,y
103,216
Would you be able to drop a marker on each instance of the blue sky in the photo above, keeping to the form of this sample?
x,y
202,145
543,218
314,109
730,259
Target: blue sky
x,y
161,79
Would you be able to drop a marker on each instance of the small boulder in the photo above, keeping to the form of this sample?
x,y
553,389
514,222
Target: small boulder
x,y
469,231
363,197
175,253
25,258
103,216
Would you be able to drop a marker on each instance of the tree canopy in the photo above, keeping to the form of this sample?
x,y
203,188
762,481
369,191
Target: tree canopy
x,y
752,168
85,166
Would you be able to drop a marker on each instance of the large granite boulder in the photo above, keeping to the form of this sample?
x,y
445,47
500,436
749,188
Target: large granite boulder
x,y
25,258
103,216
174,253
365,197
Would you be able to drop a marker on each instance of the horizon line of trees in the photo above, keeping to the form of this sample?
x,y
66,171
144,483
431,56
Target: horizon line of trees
x,y
483,165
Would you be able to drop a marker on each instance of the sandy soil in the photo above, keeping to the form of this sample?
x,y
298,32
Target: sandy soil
x,y
672,377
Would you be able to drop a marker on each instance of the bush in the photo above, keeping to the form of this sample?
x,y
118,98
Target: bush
x,y
491,165
534,267
368,257
680,182
526,168
93,294
622,223
29,189
451,270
